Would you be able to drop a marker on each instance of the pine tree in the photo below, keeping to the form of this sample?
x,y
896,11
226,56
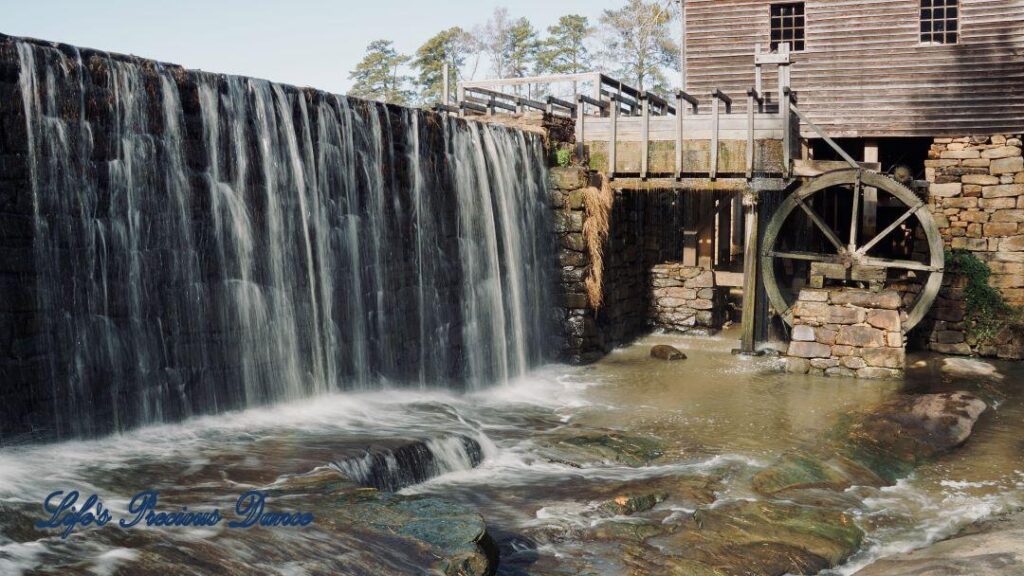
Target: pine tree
x,y
451,47
377,76
565,51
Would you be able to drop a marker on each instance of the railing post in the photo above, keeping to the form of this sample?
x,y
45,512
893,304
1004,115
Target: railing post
x,y
580,128
645,134
713,162
750,135
680,115
613,137
785,103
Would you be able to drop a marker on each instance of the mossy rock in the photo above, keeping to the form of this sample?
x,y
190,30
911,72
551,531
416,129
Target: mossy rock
x,y
593,447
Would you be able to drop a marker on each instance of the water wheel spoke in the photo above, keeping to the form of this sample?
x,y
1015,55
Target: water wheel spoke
x,y
807,256
889,229
821,225
855,216
900,264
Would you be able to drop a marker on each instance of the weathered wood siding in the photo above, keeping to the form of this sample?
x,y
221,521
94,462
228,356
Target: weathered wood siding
x,y
864,71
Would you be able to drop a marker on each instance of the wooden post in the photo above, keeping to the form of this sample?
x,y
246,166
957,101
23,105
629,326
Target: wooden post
x,y
580,128
750,279
691,205
713,162
645,134
682,45
787,161
870,206
613,138
750,135
680,114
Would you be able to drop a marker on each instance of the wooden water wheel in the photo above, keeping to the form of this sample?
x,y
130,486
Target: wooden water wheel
x,y
852,260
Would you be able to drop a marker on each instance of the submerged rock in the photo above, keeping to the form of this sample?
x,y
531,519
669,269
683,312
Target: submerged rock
x,y
666,352
580,448
970,367
744,537
992,548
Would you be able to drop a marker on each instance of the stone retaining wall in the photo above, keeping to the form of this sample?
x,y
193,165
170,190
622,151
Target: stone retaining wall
x,y
642,232
847,332
685,299
977,198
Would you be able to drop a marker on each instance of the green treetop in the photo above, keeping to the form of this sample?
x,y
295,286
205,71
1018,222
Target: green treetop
x,y
377,77
449,47
565,51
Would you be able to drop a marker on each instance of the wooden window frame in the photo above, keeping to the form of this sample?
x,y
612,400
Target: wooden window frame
x,y
797,28
948,22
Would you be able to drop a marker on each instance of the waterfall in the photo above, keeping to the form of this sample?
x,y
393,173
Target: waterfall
x,y
204,242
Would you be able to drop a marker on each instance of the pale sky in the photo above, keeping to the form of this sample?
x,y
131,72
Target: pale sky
x,y
303,42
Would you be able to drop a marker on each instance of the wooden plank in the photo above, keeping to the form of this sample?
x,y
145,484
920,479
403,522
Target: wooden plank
x,y
713,162
751,281
812,168
870,219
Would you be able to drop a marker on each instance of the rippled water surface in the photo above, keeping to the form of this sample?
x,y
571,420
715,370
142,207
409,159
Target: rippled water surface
x,y
712,420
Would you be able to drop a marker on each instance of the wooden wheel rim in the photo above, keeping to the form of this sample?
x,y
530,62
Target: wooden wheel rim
x,y
870,179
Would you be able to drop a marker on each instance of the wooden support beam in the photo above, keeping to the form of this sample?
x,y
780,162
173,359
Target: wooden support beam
x,y
645,131
713,162
750,275
680,121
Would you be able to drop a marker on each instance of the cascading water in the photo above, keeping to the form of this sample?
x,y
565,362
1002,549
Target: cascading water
x,y
205,242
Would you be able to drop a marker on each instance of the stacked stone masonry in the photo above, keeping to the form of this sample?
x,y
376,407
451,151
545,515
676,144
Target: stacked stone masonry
x,y
685,299
847,332
976,194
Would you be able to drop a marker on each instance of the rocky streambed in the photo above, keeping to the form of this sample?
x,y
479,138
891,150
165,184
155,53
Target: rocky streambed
x,y
708,465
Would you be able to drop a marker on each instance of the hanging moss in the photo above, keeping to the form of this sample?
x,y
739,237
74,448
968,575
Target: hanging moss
x,y
987,313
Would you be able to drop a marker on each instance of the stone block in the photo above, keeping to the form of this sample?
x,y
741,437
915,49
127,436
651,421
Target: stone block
x,y
980,179
1008,215
797,365
825,335
888,320
1001,152
705,279
1012,243
945,190
568,178
853,362
824,363
845,315
1000,229
803,333
977,163
949,336
998,203
817,311
1003,190
960,154
1007,165
962,349
844,351
887,299
809,350
895,339
861,337
874,373
884,357
808,295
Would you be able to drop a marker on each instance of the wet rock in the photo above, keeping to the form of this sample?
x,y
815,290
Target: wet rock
x,y
579,449
969,367
665,352
800,470
900,434
992,548
744,537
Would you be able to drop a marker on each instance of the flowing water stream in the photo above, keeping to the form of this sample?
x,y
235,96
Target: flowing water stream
x,y
716,421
